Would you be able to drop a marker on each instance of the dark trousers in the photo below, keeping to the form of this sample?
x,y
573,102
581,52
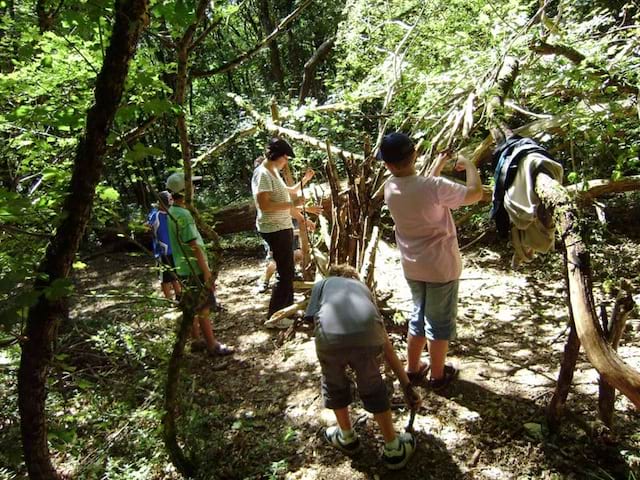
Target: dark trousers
x,y
281,245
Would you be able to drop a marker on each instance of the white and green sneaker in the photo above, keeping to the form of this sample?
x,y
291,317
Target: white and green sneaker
x,y
395,459
349,446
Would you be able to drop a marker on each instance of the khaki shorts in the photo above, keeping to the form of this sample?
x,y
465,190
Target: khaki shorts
x,y
336,386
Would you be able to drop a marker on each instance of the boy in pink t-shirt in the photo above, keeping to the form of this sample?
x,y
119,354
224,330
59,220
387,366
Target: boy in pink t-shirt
x,y
426,236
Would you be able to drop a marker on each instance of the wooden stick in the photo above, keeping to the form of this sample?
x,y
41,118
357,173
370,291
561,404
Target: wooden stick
x,y
286,312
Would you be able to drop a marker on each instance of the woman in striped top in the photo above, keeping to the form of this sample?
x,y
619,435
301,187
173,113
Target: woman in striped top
x,y
275,207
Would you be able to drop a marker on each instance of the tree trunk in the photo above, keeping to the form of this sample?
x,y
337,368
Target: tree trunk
x,y
43,318
46,14
276,73
310,67
606,393
604,358
170,431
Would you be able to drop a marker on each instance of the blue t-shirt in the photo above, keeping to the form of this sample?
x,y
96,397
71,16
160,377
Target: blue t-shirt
x,y
158,221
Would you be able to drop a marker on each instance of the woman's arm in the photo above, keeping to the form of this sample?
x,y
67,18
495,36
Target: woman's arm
x,y
267,205
308,175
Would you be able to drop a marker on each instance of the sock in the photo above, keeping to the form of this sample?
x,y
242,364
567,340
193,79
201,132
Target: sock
x,y
393,444
347,435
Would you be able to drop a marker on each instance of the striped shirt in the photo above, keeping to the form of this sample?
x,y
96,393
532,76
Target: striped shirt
x,y
265,181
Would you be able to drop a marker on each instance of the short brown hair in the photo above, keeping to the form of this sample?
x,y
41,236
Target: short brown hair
x,y
343,270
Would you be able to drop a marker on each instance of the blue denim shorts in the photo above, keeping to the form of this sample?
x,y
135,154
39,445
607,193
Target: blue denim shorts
x,y
435,307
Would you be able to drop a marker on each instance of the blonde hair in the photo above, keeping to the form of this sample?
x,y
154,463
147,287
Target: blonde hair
x,y
343,270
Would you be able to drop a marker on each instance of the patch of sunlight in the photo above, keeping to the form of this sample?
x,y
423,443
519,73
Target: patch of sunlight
x,y
495,472
505,314
326,417
630,354
304,402
254,338
305,473
524,353
258,306
5,359
466,415
451,436
530,378
171,315
304,352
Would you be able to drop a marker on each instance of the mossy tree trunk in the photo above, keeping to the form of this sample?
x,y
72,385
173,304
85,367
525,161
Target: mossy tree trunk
x,y
44,316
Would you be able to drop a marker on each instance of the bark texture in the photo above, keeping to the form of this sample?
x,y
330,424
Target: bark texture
x,y
601,355
310,67
277,72
43,318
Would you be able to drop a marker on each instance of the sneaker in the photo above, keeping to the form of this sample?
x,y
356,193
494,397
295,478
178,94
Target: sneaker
x,y
450,374
221,350
262,287
419,378
397,459
334,437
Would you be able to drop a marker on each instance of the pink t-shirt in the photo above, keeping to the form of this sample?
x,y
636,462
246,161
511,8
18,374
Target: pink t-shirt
x,y
425,230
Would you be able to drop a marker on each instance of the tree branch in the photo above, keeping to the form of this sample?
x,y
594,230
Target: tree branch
x,y
310,67
270,126
577,58
238,134
589,191
239,60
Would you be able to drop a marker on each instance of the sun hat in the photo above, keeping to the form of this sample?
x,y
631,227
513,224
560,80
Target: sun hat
x,y
175,182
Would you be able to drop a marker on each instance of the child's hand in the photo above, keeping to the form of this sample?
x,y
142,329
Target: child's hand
x,y
308,175
411,397
463,163
314,209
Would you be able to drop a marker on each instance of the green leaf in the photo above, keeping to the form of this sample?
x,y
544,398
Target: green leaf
x,y
157,106
84,384
109,194
79,265
59,288
26,299
47,61
22,111
534,431
140,152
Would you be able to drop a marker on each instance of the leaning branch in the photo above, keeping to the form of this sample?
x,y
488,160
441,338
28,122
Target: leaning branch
x,y
239,60
246,132
272,127
588,191
310,67
131,136
601,355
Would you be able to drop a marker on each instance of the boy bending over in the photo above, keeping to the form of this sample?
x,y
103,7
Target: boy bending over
x,y
349,332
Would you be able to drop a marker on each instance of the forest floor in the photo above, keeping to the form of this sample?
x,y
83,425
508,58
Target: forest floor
x,y
259,414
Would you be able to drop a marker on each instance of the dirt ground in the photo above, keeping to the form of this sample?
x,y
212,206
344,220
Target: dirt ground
x,y
265,411
259,414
